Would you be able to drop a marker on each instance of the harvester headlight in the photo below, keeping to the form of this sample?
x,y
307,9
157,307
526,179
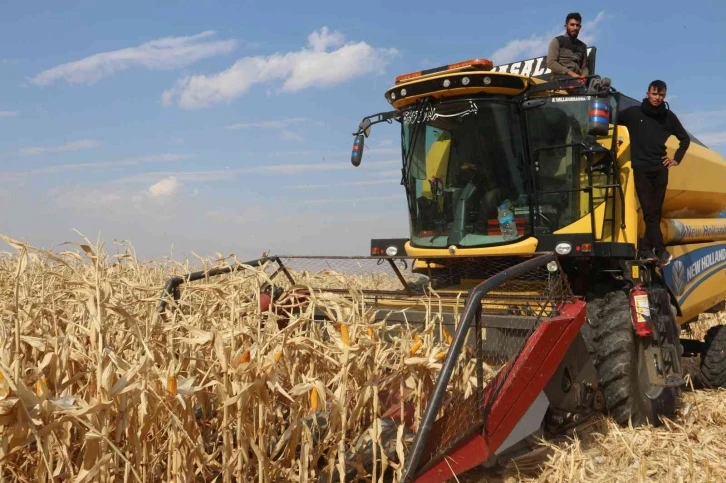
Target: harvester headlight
x,y
391,251
447,82
563,248
393,95
403,92
552,266
465,81
487,81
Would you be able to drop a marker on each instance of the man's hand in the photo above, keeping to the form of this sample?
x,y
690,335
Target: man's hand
x,y
577,76
668,162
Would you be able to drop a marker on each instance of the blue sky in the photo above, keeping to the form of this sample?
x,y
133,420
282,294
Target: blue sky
x,y
226,126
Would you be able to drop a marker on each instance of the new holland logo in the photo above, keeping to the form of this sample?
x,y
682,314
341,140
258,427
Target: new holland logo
x,y
680,230
678,277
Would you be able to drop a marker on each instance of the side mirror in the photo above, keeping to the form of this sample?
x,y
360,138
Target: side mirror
x,y
357,153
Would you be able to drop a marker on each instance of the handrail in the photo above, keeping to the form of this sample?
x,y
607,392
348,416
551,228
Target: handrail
x,y
471,310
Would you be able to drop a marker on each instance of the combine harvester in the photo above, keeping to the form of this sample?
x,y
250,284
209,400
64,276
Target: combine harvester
x,y
554,294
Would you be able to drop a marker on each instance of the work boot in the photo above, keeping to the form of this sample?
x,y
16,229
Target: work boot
x,y
664,258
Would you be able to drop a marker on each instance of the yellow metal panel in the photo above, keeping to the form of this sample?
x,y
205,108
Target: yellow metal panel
x,y
696,188
528,245
437,162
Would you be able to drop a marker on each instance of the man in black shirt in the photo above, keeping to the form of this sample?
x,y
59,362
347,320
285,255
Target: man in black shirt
x,y
650,125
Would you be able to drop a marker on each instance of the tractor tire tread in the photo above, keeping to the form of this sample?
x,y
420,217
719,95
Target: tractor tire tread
x,y
713,360
614,352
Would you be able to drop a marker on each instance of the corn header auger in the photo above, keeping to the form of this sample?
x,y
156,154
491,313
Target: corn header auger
x,y
524,229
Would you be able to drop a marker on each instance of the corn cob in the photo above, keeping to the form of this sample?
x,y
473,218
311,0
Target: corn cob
x,y
171,385
344,333
314,399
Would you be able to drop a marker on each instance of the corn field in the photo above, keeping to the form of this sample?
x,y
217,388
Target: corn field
x,y
97,385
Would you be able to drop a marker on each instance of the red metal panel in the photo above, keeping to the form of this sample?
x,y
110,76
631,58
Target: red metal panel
x,y
469,454
533,355
532,371
536,364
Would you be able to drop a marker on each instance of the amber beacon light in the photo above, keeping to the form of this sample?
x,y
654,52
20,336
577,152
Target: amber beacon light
x,y
480,64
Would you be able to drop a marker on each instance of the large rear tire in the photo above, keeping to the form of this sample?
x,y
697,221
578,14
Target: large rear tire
x,y
713,360
619,357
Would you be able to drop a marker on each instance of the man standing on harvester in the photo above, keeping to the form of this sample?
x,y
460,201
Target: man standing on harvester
x,y
650,125
567,55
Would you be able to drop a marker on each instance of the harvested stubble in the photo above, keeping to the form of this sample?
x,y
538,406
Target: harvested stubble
x,y
104,389
97,386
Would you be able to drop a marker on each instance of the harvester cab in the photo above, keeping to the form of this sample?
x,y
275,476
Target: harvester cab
x,y
523,235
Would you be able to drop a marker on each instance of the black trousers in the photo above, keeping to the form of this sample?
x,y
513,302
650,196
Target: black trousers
x,y
650,187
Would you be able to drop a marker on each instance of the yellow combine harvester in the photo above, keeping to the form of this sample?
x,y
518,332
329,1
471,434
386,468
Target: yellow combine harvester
x,y
524,226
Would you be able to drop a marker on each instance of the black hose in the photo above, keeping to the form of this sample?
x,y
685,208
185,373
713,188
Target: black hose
x,y
173,283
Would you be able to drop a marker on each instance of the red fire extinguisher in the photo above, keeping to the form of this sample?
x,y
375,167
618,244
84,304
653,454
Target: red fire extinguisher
x,y
640,311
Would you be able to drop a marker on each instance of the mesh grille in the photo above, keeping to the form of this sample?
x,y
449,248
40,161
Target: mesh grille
x,y
498,338
535,293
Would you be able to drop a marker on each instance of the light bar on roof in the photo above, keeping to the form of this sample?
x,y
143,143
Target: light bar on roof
x,y
481,64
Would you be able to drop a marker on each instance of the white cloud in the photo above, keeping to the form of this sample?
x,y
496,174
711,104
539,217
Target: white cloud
x,y
311,66
164,188
325,201
18,176
228,174
156,158
713,138
277,124
368,182
163,53
243,215
389,173
291,136
536,45
9,113
80,197
708,126
70,146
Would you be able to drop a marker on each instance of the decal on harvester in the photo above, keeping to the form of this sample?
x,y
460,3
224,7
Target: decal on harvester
x,y
571,99
691,269
688,231
537,66
678,277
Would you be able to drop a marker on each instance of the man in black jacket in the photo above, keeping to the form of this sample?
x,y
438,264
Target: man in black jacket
x,y
650,125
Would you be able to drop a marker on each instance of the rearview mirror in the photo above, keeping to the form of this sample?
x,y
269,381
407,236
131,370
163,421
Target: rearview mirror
x,y
357,153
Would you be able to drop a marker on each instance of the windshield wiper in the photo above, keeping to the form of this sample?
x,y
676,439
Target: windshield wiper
x,y
413,138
